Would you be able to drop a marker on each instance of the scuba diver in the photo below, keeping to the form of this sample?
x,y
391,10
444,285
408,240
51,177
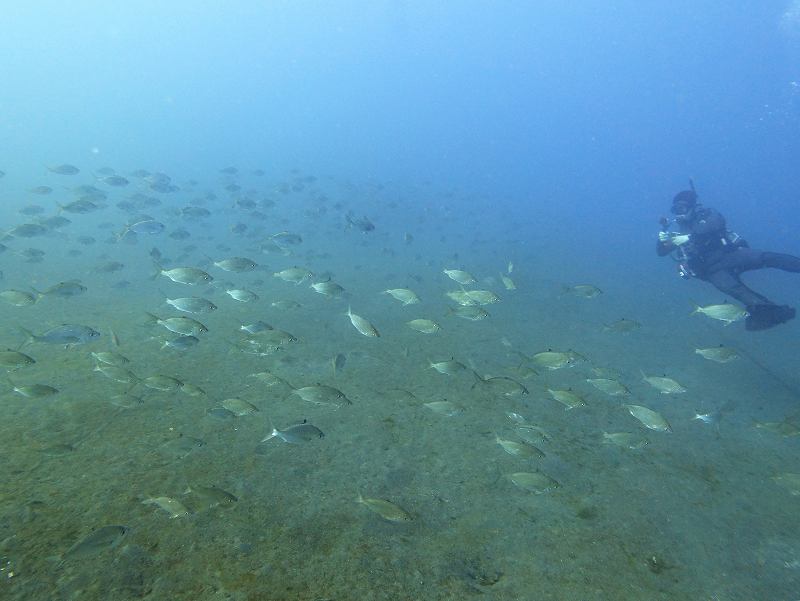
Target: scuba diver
x,y
704,248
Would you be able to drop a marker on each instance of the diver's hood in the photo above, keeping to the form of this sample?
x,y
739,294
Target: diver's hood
x,y
683,202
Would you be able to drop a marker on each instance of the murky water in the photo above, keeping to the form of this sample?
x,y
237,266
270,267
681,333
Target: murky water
x,y
696,514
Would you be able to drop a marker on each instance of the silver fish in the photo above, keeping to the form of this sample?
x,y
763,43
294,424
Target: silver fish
x,y
185,275
296,434
192,304
362,325
67,334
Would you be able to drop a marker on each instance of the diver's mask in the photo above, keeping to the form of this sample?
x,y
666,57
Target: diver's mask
x,y
683,205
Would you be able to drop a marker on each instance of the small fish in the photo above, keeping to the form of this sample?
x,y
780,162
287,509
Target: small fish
x,y
66,334
192,389
185,275
195,212
286,305
185,326
162,383
192,304
63,289
105,537
448,368
785,428
470,313
535,482
110,358
446,408
34,391
725,312
114,180
649,418
482,297
296,434
663,384
520,449
583,290
27,230
533,434
457,275
461,297
109,267
286,239
386,509
505,385
18,298
82,206
125,401
117,374
719,354
56,221
708,418
363,224
181,343
64,169
322,394
296,275
256,327
363,326
555,359
212,496
567,398
239,407
508,282
404,295
338,362
173,507
242,295
269,379
625,439
516,417
426,326
236,264
328,288
609,386
622,326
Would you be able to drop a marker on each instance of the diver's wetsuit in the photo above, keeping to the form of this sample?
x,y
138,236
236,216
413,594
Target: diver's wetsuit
x,y
719,257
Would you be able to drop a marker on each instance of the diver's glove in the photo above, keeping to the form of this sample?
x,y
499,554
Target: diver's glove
x,y
676,239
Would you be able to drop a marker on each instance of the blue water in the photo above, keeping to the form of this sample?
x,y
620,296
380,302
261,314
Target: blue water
x,y
532,141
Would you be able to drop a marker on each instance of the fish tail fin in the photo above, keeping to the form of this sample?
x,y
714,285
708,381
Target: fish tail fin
x,y
478,379
273,432
151,319
697,308
39,295
157,270
29,337
125,231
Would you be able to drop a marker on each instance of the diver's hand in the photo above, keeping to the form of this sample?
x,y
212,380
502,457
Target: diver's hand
x,y
676,239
